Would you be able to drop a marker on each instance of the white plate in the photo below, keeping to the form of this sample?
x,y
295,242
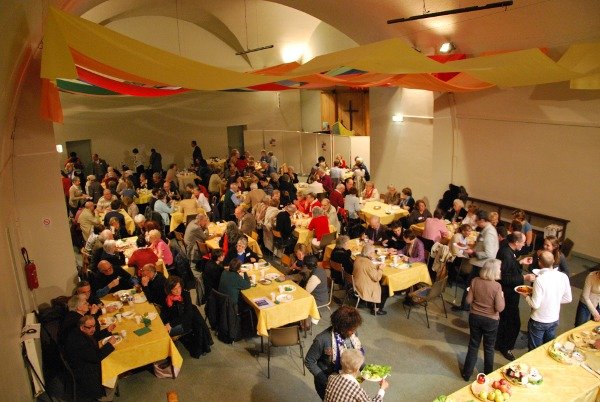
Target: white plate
x,y
117,305
152,316
117,337
139,298
272,276
284,297
246,267
106,321
403,266
261,265
128,314
375,379
121,293
288,288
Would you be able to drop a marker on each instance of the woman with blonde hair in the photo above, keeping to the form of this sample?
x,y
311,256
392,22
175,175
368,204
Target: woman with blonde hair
x,y
160,248
370,193
487,301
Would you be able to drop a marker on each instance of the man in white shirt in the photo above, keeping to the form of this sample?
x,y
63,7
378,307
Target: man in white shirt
x,y
550,289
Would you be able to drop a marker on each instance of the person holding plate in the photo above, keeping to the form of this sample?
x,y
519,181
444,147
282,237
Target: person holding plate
x,y
345,386
324,356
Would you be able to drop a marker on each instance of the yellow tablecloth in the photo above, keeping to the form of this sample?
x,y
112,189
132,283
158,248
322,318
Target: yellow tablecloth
x,y
137,351
129,223
562,382
400,279
253,244
218,163
143,197
368,210
176,220
303,305
304,235
353,244
184,179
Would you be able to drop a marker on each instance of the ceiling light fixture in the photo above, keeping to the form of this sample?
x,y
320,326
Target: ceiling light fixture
x,y
453,11
447,47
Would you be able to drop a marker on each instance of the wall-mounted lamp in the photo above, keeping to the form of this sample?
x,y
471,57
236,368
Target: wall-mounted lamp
x,y
447,47
398,118
59,148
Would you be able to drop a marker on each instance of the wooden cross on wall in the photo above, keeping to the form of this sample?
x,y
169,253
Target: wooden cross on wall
x,y
350,111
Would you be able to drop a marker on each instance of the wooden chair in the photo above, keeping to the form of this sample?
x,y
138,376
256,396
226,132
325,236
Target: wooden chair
x,y
336,266
349,281
427,294
277,242
284,336
327,239
330,287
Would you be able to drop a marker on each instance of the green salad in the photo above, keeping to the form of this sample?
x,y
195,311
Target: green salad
x,y
375,372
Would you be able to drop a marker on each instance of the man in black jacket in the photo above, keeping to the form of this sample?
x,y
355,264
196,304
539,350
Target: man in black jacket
x,y
283,224
85,356
153,285
511,276
109,279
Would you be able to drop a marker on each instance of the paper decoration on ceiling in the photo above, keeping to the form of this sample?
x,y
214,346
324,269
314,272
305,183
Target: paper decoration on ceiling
x,y
82,57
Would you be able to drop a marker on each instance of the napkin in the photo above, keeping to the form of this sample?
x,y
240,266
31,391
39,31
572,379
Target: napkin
x,y
142,331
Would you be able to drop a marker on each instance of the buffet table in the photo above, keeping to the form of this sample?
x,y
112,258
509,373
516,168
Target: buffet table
x,y
562,382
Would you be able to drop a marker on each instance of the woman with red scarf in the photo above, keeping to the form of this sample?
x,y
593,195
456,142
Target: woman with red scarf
x,y
182,317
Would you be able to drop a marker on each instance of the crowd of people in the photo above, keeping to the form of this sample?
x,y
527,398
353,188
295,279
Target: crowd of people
x,y
261,200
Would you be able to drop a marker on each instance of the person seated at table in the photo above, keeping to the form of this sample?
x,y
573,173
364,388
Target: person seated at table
x,y
94,189
181,317
370,193
163,207
435,227
241,252
131,207
495,220
202,203
552,245
213,270
269,216
352,203
325,179
140,225
394,236
414,250
84,288
348,184
245,221
419,214
344,386
317,281
186,193
171,172
153,284
255,195
110,253
104,202
392,196
459,243
337,196
324,356
287,189
97,248
233,281
457,213
143,182
341,161
330,212
118,231
589,303
407,202
157,181
159,247
301,203
79,306
140,257
343,255
85,356
471,217
109,279
376,233
319,224
230,237
312,202
366,280
297,271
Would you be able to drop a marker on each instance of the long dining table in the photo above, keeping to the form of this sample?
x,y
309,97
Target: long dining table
x,y
277,314
562,382
385,212
397,276
219,229
135,351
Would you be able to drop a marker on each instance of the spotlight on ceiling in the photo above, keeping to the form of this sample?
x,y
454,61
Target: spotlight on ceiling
x,y
447,47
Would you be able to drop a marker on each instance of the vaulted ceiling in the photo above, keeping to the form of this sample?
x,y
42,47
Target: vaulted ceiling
x,y
212,31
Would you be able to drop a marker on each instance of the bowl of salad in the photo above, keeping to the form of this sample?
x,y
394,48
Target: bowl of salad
x,y
375,372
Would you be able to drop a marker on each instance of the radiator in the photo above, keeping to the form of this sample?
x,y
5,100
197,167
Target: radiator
x,y
33,348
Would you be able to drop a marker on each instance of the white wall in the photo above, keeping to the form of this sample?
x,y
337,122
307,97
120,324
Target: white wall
x,y
401,153
535,148
115,125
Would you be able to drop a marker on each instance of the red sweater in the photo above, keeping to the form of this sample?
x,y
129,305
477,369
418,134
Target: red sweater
x,y
320,225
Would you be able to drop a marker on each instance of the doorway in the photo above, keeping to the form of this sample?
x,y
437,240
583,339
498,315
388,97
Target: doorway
x,y
83,149
235,138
